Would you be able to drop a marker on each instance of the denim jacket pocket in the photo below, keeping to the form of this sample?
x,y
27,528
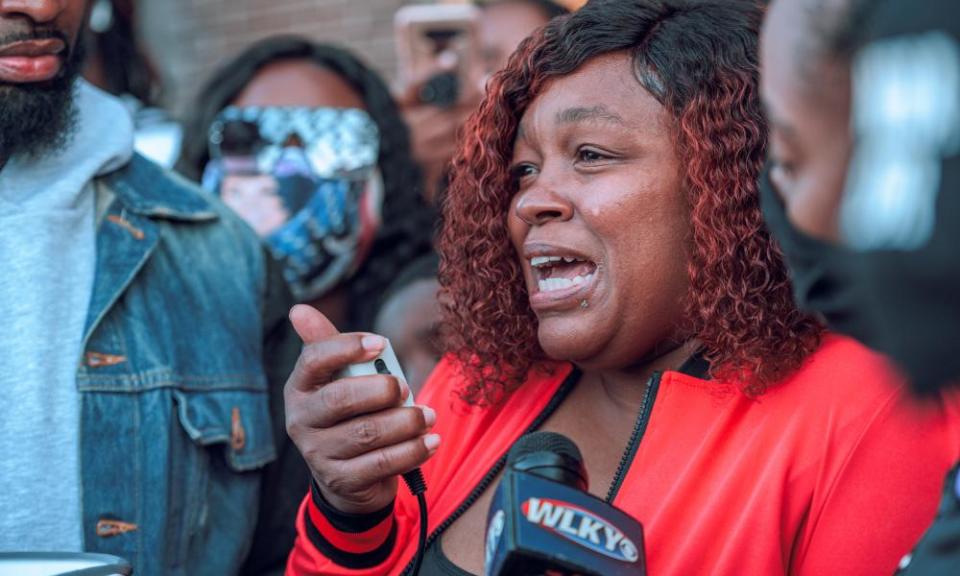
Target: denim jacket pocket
x,y
239,420
232,437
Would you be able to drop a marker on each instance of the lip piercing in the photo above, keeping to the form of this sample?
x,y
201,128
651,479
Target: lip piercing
x,y
584,304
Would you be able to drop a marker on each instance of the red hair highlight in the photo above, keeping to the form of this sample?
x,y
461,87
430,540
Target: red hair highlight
x,y
739,305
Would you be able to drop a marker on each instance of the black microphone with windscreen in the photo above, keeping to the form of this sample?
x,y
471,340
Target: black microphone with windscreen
x,y
544,522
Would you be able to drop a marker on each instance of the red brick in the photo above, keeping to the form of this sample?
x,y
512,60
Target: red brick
x,y
188,39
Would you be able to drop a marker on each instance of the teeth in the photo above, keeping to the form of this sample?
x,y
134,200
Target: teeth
x,y
539,261
552,284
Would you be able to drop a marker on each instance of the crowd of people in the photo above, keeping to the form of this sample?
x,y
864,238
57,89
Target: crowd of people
x,y
710,241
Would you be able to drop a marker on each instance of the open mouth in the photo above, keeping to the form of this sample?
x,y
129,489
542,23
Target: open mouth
x,y
558,274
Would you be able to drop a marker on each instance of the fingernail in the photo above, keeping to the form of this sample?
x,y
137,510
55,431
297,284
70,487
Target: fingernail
x,y
373,343
431,441
429,416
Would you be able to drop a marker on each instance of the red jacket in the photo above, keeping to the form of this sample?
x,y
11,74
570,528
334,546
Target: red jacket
x,y
832,471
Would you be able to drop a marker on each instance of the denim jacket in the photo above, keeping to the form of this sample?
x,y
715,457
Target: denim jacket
x,y
181,416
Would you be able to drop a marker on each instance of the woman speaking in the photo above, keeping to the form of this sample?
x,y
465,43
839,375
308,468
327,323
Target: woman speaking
x,y
607,276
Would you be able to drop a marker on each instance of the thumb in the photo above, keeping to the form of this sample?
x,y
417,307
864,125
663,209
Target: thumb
x,y
311,325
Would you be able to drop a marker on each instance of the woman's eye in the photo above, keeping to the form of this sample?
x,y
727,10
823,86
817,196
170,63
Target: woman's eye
x,y
521,171
590,155
785,167
782,174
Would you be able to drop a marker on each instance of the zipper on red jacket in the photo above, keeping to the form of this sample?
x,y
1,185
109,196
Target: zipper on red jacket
x,y
565,388
639,427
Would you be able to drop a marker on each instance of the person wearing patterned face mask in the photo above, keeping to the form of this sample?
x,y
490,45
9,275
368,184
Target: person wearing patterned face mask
x,y
306,180
306,144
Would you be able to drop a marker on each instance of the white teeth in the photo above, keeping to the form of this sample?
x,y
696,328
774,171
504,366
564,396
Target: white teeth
x,y
543,260
538,261
552,284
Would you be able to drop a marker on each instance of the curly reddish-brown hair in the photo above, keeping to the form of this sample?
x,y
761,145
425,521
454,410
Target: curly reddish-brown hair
x,y
699,59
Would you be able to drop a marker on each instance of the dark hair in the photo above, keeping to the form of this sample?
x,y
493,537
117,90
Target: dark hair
x,y
548,8
126,67
699,59
407,229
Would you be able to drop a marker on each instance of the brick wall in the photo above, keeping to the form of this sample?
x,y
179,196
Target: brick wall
x,y
188,39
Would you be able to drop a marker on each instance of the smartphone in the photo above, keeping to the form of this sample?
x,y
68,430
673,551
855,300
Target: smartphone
x,y
385,363
427,37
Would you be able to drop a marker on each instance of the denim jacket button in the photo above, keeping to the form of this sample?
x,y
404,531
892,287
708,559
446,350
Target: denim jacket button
x,y
108,527
126,225
238,436
99,360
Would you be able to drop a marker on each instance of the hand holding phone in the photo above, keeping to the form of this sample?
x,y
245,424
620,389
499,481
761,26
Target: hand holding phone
x,y
357,431
437,49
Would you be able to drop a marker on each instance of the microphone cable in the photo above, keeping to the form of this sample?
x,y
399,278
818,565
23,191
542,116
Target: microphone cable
x,y
417,485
